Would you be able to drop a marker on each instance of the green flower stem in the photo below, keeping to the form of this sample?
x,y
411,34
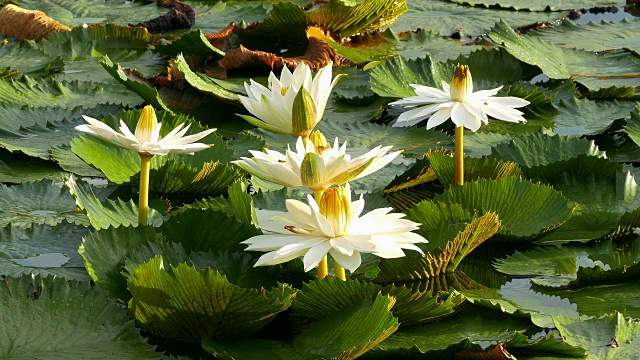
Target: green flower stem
x,y
339,270
323,267
143,203
459,156
305,140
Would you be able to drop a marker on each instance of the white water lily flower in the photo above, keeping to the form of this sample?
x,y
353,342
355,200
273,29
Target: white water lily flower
x,y
335,227
273,106
458,102
315,166
146,140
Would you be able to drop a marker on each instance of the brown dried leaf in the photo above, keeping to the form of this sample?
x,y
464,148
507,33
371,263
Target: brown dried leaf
x,y
23,24
497,352
181,16
318,55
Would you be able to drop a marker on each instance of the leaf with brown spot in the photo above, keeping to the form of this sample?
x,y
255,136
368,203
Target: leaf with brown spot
x,y
23,24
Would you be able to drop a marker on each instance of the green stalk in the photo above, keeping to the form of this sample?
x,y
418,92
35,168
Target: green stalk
x,y
143,203
459,156
323,267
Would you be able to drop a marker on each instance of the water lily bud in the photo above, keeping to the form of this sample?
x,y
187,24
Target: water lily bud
x,y
319,142
335,205
310,172
147,125
304,115
461,83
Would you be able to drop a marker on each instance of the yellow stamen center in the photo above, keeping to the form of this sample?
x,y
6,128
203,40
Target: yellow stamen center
x,y
284,90
336,207
319,142
147,125
461,84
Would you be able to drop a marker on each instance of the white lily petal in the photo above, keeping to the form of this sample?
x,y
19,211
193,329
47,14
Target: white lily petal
x,y
350,263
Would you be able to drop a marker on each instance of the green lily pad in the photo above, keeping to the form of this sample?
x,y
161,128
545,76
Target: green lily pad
x,y
446,18
602,36
591,70
539,5
223,306
608,337
524,208
42,250
75,320
41,202
28,59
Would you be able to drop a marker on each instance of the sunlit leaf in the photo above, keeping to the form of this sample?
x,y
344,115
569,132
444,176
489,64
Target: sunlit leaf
x,y
183,303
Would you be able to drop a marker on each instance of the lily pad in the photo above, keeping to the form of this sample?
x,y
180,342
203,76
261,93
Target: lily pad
x,y
223,306
41,202
75,321
42,250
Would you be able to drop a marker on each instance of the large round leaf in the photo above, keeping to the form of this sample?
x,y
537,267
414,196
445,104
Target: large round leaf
x,y
42,250
524,208
42,202
190,305
320,298
49,318
349,332
609,337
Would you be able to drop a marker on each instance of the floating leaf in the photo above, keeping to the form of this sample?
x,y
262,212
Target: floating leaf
x,y
341,18
28,59
203,83
574,265
436,263
577,117
108,213
474,169
25,91
604,193
192,43
609,337
593,36
536,5
41,202
18,168
104,252
349,332
208,230
42,250
166,300
75,321
413,45
320,298
524,208
592,70
133,83
443,338
530,150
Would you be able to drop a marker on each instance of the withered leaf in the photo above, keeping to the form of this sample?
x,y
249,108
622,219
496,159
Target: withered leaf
x,y
181,16
318,55
23,24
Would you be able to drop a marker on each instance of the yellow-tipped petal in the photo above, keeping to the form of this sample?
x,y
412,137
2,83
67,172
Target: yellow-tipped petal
x,y
319,142
147,125
335,205
461,83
